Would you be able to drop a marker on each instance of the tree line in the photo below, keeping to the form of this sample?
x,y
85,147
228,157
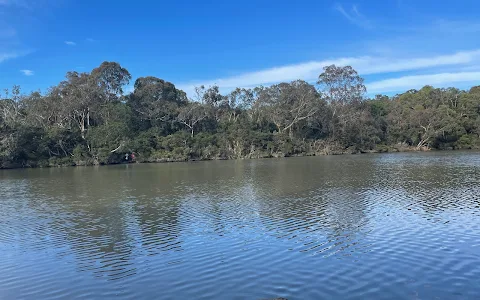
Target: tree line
x,y
87,120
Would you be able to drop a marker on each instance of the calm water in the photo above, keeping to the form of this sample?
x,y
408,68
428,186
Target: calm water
x,y
394,226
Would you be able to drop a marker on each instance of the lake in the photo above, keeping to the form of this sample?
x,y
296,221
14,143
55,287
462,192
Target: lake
x,y
379,226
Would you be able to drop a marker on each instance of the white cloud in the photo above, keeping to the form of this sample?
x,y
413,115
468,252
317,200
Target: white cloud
x,y
365,65
27,72
70,43
307,70
354,16
388,65
417,81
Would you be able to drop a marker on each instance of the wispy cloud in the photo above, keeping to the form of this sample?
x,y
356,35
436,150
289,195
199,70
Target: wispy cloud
x,y
27,72
354,16
417,81
15,15
10,47
6,56
453,27
90,40
70,43
365,65
18,3
421,39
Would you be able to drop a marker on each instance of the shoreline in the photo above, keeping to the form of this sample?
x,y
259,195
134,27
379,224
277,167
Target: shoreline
x,y
275,155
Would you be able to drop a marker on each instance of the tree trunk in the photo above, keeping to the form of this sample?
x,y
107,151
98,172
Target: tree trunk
x,y
88,117
82,128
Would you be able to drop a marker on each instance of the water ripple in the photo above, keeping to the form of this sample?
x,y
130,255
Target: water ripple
x,y
404,226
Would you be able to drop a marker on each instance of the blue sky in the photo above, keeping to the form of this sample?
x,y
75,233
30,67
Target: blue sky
x,y
396,45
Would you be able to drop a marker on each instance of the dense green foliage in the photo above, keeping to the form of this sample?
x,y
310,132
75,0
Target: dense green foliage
x,y
86,120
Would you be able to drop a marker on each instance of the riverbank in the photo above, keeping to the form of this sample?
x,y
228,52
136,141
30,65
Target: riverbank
x,y
71,162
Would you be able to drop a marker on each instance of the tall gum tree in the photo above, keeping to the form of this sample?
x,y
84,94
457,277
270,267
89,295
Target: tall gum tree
x,y
287,104
156,100
342,88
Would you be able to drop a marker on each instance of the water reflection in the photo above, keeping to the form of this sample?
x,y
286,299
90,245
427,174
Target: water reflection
x,y
133,222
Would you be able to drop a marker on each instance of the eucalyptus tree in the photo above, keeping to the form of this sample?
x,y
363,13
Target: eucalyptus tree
x,y
420,117
10,105
155,100
110,77
191,115
288,104
341,85
238,100
343,89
